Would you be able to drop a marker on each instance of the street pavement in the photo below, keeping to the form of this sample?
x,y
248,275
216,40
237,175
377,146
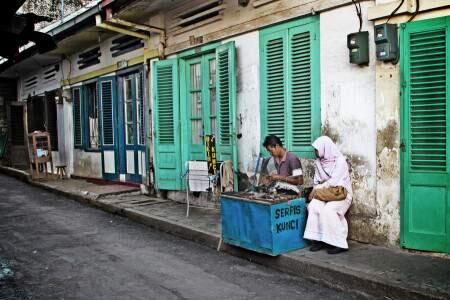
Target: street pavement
x,y
55,248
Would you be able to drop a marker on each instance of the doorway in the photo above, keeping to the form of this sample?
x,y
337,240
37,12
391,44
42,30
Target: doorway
x,y
18,145
425,159
132,127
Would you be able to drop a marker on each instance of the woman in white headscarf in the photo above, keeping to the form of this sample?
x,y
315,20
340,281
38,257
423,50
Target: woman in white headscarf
x,y
326,224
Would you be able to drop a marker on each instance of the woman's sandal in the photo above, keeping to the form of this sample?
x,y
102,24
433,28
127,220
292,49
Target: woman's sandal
x,y
316,246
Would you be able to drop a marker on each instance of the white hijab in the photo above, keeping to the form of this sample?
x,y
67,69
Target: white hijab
x,y
331,166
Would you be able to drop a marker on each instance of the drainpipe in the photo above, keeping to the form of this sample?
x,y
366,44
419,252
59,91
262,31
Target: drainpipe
x,y
129,28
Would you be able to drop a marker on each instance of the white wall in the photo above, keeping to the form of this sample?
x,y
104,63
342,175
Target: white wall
x,y
43,85
349,111
67,135
106,59
248,99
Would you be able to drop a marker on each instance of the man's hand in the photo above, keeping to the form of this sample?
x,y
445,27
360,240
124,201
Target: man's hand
x,y
265,180
276,177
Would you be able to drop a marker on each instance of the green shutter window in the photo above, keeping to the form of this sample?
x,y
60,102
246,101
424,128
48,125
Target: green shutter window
x,y
76,95
166,120
276,86
166,134
226,101
290,97
427,67
106,96
224,98
140,111
301,89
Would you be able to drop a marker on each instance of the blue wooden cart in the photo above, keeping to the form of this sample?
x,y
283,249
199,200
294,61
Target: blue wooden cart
x,y
272,227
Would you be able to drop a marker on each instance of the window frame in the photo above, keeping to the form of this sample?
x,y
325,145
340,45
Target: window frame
x,y
84,119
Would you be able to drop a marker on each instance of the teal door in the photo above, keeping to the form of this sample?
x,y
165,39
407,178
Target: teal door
x,y
166,120
201,103
208,104
132,128
109,138
425,178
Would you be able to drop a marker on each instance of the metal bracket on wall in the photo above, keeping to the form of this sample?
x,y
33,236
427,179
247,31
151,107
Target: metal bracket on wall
x,y
133,29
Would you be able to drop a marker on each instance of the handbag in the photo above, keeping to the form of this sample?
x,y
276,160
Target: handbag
x,y
336,193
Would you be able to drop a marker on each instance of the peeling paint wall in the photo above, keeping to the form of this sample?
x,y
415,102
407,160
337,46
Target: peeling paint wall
x,y
348,111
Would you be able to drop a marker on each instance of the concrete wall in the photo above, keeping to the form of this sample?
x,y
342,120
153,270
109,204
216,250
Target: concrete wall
x,y
67,136
87,164
105,59
42,85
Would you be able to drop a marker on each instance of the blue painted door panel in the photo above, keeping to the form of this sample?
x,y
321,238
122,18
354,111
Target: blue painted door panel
x,y
131,124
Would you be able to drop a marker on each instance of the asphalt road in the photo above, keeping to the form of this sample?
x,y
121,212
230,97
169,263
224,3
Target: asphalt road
x,y
54,248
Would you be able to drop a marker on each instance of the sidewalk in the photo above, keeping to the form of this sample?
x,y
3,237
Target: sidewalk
x,y
366,270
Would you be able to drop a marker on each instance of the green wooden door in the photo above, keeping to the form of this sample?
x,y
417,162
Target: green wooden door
x,y
425,178
208,104
166,125
226,106
200,103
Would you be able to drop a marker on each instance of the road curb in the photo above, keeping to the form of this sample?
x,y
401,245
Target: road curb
x,y
360,284
18,174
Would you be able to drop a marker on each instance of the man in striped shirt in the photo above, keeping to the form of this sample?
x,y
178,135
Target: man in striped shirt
x,y
289,168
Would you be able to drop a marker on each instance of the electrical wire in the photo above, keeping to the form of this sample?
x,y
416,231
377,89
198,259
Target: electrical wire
x,y
358,12
415,12
395,10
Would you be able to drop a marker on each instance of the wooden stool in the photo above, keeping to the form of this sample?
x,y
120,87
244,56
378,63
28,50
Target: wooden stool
x,y
61,171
